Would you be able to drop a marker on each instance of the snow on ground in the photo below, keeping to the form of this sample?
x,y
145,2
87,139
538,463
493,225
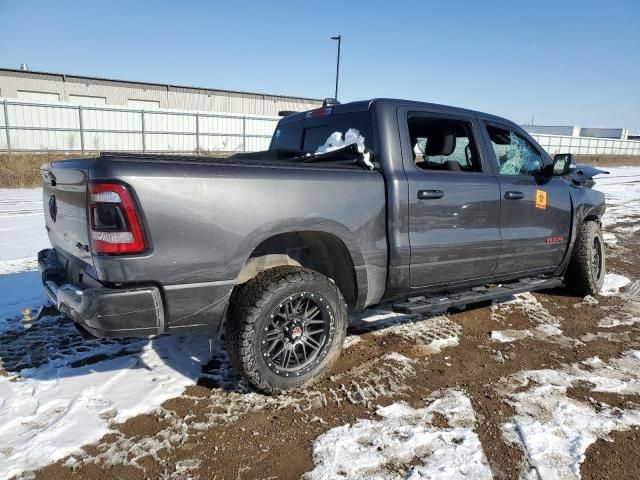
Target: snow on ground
x,y
48,411
544,325
555,430
22,229
622,190
59,392
16,291
350,341
430,334
613,283
406,442
627,314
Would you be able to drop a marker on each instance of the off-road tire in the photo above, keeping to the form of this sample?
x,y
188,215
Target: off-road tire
x,y
581,276
251,309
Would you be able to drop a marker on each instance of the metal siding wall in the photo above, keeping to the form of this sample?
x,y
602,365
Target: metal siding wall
x,y
117,93
39,127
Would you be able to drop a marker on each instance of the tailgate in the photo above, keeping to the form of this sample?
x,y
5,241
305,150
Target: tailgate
x,y
64,190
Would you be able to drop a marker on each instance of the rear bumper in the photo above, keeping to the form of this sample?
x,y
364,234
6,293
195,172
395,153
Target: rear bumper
x,y
102,311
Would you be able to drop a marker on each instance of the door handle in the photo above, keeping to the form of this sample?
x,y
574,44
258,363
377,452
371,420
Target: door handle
x,y
514,195
430,194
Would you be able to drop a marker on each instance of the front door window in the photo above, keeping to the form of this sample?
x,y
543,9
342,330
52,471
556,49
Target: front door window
x,y
515,154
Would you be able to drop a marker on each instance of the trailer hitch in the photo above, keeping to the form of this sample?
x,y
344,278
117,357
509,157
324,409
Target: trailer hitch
x,y
28,319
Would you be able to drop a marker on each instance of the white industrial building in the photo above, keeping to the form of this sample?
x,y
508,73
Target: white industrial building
x,y
44,87
42,111
59,112
575,131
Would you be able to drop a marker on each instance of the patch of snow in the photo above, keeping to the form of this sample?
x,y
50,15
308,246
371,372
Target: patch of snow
x,y
610,322
18,290
22,229
613,283
622,193
554,429
627,230
378,318
545,325
588,301
609,239
405,443
430,335
373,380
507,336
351,340
49,411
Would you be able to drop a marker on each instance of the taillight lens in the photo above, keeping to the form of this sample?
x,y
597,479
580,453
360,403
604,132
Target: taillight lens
x,y
114,222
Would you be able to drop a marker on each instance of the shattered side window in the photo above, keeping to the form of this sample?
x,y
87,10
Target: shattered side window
x,y
516,156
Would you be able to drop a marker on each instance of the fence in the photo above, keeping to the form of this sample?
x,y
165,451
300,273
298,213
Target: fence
x,y
587,145
71,128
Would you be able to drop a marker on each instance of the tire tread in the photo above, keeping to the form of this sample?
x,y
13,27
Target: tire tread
x,y
249,303
579,277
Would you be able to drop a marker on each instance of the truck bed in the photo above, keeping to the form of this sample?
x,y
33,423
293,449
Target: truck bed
x,y
204,217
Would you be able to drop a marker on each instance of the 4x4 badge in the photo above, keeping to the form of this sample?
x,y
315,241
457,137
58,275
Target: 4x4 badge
x,y
53,208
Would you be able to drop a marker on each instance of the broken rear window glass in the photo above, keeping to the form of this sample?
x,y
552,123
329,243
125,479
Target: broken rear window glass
x,y
308,134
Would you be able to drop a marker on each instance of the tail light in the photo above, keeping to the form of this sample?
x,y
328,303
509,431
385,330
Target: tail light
x,y
115,225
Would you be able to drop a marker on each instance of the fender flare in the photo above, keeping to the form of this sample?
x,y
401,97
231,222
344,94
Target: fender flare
x,y
582,209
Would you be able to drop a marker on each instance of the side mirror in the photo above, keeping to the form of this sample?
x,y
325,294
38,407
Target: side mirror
x,y
563,164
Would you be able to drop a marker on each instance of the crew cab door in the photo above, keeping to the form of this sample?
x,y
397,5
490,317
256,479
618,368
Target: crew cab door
x,y
454,199
535,212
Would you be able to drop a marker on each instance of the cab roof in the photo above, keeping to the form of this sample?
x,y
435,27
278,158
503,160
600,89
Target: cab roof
x,y
364,105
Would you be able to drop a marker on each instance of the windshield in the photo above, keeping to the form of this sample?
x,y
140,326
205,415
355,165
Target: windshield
x,y
310,133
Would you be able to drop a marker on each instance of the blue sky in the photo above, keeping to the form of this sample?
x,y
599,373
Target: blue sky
x,y
562,62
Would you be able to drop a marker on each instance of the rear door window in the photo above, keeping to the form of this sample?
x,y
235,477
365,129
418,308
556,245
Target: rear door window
x,y
443,144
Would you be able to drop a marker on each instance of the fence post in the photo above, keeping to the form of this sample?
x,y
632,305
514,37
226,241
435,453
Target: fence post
x,y
244,134
81,128
6,126
198,133
144,147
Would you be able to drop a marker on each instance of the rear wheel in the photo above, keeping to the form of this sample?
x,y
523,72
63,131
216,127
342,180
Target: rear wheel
x,y
285,328
586,270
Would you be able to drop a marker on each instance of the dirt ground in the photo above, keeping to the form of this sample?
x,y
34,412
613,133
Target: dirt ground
x,y
220,429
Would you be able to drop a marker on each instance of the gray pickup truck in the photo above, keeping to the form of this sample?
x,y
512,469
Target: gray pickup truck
x,y
418,205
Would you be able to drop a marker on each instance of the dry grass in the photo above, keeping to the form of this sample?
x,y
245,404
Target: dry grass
x,y
21,170
610,160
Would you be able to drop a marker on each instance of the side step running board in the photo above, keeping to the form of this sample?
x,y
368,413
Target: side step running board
x,y
426,304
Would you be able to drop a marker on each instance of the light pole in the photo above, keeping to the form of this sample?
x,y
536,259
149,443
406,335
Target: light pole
x,y
339,39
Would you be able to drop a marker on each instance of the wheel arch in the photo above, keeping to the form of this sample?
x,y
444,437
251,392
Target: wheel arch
x,y
588,205
320,251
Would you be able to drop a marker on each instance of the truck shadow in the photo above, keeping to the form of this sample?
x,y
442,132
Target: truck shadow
x,y
53,349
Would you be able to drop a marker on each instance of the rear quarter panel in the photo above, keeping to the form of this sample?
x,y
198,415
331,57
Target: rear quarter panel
x,y
205,219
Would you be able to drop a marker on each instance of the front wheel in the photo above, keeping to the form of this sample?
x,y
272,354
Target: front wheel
x,y
586,270
285,328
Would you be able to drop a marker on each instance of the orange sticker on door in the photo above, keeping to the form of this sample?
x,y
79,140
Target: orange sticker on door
x,y
541,199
